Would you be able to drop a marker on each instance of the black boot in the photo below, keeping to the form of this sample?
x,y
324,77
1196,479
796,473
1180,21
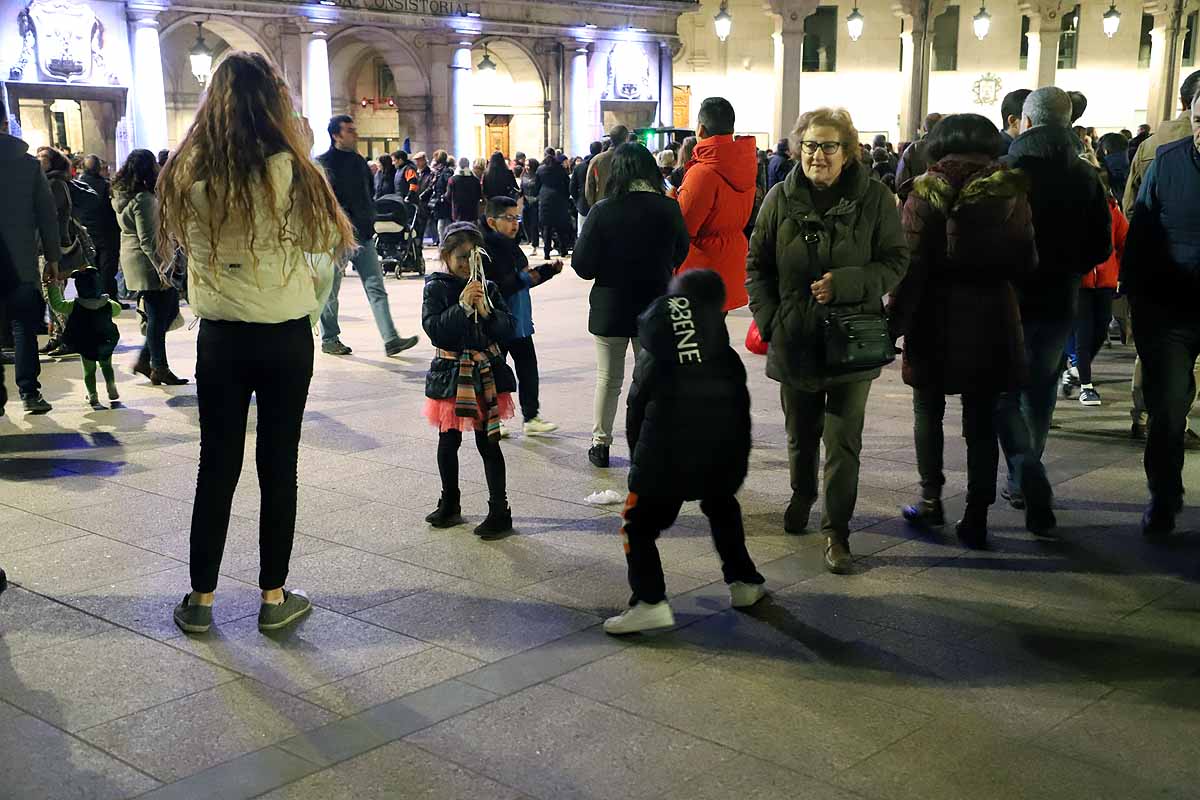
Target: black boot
x,y
142,367
448,512
3,581
926,514
598,455
498,522
972,528
795,518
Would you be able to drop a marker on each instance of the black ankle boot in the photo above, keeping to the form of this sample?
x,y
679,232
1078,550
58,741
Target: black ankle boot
x,y
448,512
972,528
498,522
925,514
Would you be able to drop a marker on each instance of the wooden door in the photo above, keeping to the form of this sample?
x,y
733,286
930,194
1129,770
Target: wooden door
x,y
682,97
497,134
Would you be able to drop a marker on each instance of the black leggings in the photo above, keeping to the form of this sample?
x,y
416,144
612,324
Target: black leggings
x,y
1091,328
493,464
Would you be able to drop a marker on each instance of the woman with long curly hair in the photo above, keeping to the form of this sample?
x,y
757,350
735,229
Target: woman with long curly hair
x,y
261,228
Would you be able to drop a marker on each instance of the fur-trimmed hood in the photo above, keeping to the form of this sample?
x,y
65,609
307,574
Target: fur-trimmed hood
x,y
957,182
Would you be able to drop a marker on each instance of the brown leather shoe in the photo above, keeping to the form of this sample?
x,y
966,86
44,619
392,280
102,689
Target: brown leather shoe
x,y
142,367
164,377
837,555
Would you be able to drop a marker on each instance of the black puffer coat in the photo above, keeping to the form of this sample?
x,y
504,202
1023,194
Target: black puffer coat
x,y
688,422
449,327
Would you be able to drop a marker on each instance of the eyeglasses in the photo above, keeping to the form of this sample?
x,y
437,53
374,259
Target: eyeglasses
x,y
828,148
509,218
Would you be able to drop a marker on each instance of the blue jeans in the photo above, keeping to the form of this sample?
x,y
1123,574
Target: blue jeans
x,y
161,308
24,312
366,263
1023,418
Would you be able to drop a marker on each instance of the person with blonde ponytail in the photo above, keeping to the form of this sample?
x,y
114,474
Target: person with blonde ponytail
x,y
262,231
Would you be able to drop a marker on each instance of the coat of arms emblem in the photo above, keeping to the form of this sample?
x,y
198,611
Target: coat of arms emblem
x,y
68,40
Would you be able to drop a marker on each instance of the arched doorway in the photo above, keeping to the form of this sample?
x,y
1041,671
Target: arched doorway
x,y
509,101
376,78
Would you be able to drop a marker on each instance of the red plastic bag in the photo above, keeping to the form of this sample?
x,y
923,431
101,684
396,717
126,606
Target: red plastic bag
x,y
754,342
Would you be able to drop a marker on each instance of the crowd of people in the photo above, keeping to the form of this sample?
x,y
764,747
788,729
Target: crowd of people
x,y
992,254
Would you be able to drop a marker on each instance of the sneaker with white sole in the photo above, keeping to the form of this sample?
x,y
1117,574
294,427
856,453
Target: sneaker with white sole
x,y
1089,396
504,432
641,617
273,616
744,595
539,427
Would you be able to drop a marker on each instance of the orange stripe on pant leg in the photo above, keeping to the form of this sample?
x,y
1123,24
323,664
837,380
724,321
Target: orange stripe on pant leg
x,y
630,504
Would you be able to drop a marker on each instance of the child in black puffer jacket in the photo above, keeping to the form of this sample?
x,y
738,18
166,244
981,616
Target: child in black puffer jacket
x,y
469,386
689,435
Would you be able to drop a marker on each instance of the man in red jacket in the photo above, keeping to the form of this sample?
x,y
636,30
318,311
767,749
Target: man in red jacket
x,y
717,196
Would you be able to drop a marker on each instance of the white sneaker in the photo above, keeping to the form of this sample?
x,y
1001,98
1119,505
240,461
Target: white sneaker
x,y
641,617
504,434
539,427
744,595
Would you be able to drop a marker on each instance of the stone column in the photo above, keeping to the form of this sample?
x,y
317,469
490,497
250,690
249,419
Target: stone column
x,y
578,101
788,46
666,86
1165,60
148,100
291,61
1045,28
460,102
318,103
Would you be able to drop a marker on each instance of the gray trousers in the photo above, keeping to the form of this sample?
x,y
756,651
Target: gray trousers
x,y
834,416
610,376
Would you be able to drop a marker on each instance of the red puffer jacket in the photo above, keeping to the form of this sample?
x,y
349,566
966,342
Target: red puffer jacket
x,y
716,199
1105,275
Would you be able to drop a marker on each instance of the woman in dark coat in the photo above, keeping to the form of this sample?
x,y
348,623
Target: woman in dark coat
x,y
533,230
499,180
553,187
632,241
58,174
970,233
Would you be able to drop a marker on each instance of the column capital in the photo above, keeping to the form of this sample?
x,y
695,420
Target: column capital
x,y
315,28
790,14
145,15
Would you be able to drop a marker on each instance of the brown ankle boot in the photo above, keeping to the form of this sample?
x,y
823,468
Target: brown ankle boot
x,y
164,377
142,367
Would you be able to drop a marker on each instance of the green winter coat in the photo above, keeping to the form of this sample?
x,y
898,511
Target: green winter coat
x,y
860,241
137,216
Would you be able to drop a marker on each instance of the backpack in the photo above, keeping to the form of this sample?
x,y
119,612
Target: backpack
x,y
91,332
86,204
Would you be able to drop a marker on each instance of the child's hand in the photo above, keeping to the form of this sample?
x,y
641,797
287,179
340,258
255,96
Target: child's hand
x,y
471,294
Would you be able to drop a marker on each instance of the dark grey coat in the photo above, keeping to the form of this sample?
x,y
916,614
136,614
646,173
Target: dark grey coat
x,y
28,219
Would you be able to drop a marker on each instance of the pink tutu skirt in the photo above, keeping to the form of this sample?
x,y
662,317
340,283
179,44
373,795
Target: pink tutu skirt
x,y
440,414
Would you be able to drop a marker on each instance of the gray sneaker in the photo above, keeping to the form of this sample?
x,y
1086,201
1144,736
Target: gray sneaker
x,y
273,616
193,618
335,348
398,345
36,404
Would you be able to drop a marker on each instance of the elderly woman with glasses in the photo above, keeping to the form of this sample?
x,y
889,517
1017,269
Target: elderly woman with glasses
x,y
827,241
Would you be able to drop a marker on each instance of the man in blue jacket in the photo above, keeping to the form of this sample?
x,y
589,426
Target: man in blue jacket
x,y
1160,272
354,187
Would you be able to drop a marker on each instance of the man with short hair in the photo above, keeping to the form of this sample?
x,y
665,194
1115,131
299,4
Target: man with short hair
x,y
1010,115
27,218
101,223
1073,230
579,184
351,180
717,198
1160,273
408,180
596,186
914,161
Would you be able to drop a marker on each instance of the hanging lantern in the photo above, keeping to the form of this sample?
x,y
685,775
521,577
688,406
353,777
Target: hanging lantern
x,y
1112,20
982,22
855,23
201,58
486,64
722,22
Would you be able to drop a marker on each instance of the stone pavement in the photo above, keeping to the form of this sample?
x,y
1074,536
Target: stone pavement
x,y
440,666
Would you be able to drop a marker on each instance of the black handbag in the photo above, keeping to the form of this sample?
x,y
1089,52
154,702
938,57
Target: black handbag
x,y
852,341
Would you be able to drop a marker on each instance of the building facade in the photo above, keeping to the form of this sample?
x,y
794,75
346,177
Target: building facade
x,y
473,76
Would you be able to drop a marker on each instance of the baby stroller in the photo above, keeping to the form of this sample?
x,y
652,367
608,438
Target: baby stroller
x,y
397,239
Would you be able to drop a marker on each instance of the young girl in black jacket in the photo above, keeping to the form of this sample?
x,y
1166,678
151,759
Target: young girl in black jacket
x,y
469,386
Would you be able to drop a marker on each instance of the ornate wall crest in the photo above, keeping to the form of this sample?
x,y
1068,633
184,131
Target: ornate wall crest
x,y
628,73
987,89
68,40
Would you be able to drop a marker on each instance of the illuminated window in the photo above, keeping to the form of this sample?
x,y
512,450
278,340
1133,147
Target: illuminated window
x,y
1146,42
1068,40
820,40
945,40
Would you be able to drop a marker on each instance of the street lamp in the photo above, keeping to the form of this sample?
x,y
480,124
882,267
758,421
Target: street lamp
x,y
1112,20
982,22
486,64
200,58
855,23
722,22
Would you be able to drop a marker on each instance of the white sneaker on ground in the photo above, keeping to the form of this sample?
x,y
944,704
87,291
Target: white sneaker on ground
x,y
539,427
641,617
1088,396
744,595
504,434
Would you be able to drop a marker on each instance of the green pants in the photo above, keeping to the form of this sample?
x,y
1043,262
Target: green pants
x,y
833,415
89,377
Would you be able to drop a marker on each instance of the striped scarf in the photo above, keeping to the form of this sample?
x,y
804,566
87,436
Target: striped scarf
x,y
476,387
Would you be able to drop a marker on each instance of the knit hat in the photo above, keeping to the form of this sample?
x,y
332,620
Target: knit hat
x,y
87,283
459,227
666,159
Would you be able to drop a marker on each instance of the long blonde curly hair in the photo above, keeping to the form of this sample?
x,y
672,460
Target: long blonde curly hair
x,y
246,117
